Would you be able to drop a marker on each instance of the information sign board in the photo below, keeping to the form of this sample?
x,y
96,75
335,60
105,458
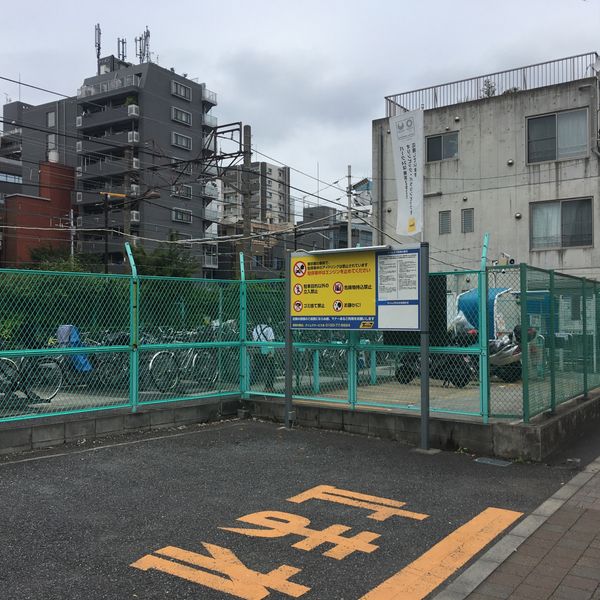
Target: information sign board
x,y
356,289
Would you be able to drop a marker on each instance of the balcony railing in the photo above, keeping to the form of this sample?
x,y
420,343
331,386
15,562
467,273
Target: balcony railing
x,y
209,120
511,81
209,96
109,85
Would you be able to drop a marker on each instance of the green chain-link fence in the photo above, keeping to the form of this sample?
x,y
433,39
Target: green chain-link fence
x,y
75,342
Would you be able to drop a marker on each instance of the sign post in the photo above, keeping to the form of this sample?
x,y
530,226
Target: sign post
x,y
289,349
424,318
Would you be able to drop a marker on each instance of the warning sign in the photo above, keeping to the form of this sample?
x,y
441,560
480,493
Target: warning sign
x,y
356,289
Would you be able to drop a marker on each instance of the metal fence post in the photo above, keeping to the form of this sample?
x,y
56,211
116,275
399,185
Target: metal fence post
x,y
585,344
552,345
316,376
244,371
352,370
134,331
524,341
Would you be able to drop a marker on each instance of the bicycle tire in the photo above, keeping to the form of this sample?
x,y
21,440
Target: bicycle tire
x,y
42,378
204,368
113,369
9,376
164,371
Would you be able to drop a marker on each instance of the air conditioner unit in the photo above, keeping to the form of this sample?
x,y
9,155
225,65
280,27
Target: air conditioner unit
x,y
133,110
135,216
133,137
79,221
136,163
135,189
78,121
79,197
79,146
79,171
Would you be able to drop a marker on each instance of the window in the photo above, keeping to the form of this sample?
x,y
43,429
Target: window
x,y
10,178
444,216
181,165
50,141
557,136
181,141
182,91
182,236
269,182
181,116
561,224
181,215
441,147
182,191
51,119
467,220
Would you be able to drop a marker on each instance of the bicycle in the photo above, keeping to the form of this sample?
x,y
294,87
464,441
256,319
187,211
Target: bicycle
x,y
168,367
38,377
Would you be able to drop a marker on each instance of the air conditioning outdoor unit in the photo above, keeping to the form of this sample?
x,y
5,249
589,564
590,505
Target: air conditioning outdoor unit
x,y
135,189
135,216
79,221
133,137
79,197
78,121
79,146
136,163
133,110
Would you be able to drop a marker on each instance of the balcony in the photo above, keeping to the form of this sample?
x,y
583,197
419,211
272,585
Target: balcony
x,y
121,84
108,142
104,168
208,96
209,121
511,81
109,116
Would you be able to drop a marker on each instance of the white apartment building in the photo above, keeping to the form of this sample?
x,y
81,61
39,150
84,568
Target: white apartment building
x,y
515,154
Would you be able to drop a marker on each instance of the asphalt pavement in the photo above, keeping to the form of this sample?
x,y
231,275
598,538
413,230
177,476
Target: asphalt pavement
x,y
153,516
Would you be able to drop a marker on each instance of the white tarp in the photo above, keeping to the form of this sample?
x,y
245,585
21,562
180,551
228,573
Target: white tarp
x,y
408,154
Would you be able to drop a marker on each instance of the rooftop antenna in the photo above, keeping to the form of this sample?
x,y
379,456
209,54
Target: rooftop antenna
x,y
142,46
98,44
122,48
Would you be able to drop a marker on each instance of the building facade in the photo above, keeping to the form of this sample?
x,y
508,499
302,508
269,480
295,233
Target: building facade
x,y
514,154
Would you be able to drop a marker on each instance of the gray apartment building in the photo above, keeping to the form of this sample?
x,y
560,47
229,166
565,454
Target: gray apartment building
x,y
515,154
270,186
140,131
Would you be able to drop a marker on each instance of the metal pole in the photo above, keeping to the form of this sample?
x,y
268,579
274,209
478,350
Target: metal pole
x,y
106,233
247,194
349,193
424,325
72,234
289,351
484,371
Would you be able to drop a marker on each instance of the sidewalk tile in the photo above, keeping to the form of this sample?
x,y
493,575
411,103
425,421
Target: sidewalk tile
x,y
582,583
564,592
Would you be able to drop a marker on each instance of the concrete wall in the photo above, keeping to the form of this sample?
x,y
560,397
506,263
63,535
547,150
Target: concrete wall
x,y
492,132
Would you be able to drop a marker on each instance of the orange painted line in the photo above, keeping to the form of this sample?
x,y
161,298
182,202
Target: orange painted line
x,y
432,568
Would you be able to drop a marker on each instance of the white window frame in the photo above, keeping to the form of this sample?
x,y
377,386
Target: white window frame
x,y
177,215
555,114
174,142
174,116
176,191
176,88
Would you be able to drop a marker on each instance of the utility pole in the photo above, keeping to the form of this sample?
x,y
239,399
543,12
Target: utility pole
x,y
349,193
72,234
247,197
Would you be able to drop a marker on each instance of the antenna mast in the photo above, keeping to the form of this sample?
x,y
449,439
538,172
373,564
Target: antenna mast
x,y
122,48
142,46
98,43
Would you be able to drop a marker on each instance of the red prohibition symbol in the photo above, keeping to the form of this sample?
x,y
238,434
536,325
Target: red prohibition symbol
x,y
299,269
338,305
298,289
338,287
298,306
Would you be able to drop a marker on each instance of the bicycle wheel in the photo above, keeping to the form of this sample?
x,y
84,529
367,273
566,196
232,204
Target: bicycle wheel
x,y
9,376
164,371
42,378
204,368
113,369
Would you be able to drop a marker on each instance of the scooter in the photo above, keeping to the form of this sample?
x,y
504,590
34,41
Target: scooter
x,y
505,354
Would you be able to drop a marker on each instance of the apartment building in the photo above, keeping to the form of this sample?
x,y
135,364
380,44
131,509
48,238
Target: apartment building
x,y
514,154
270,186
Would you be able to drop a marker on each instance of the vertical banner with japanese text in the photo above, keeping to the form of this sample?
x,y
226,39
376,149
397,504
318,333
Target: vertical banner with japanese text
x,y
408,154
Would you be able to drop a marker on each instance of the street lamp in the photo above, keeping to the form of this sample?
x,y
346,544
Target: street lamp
x,y
107,197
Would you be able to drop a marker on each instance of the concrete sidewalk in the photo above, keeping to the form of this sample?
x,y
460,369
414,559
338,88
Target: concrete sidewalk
x,y
553,553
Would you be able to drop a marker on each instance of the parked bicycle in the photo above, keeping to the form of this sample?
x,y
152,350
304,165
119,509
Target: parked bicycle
x,y
38,377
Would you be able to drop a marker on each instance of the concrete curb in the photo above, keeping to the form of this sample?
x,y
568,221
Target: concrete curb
x,y
477,573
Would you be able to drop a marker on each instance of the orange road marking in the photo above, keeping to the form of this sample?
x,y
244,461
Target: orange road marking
x,y
239,580
279,524
432,568
382,508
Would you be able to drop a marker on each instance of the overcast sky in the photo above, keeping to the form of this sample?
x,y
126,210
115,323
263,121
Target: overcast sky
x,y
308,76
